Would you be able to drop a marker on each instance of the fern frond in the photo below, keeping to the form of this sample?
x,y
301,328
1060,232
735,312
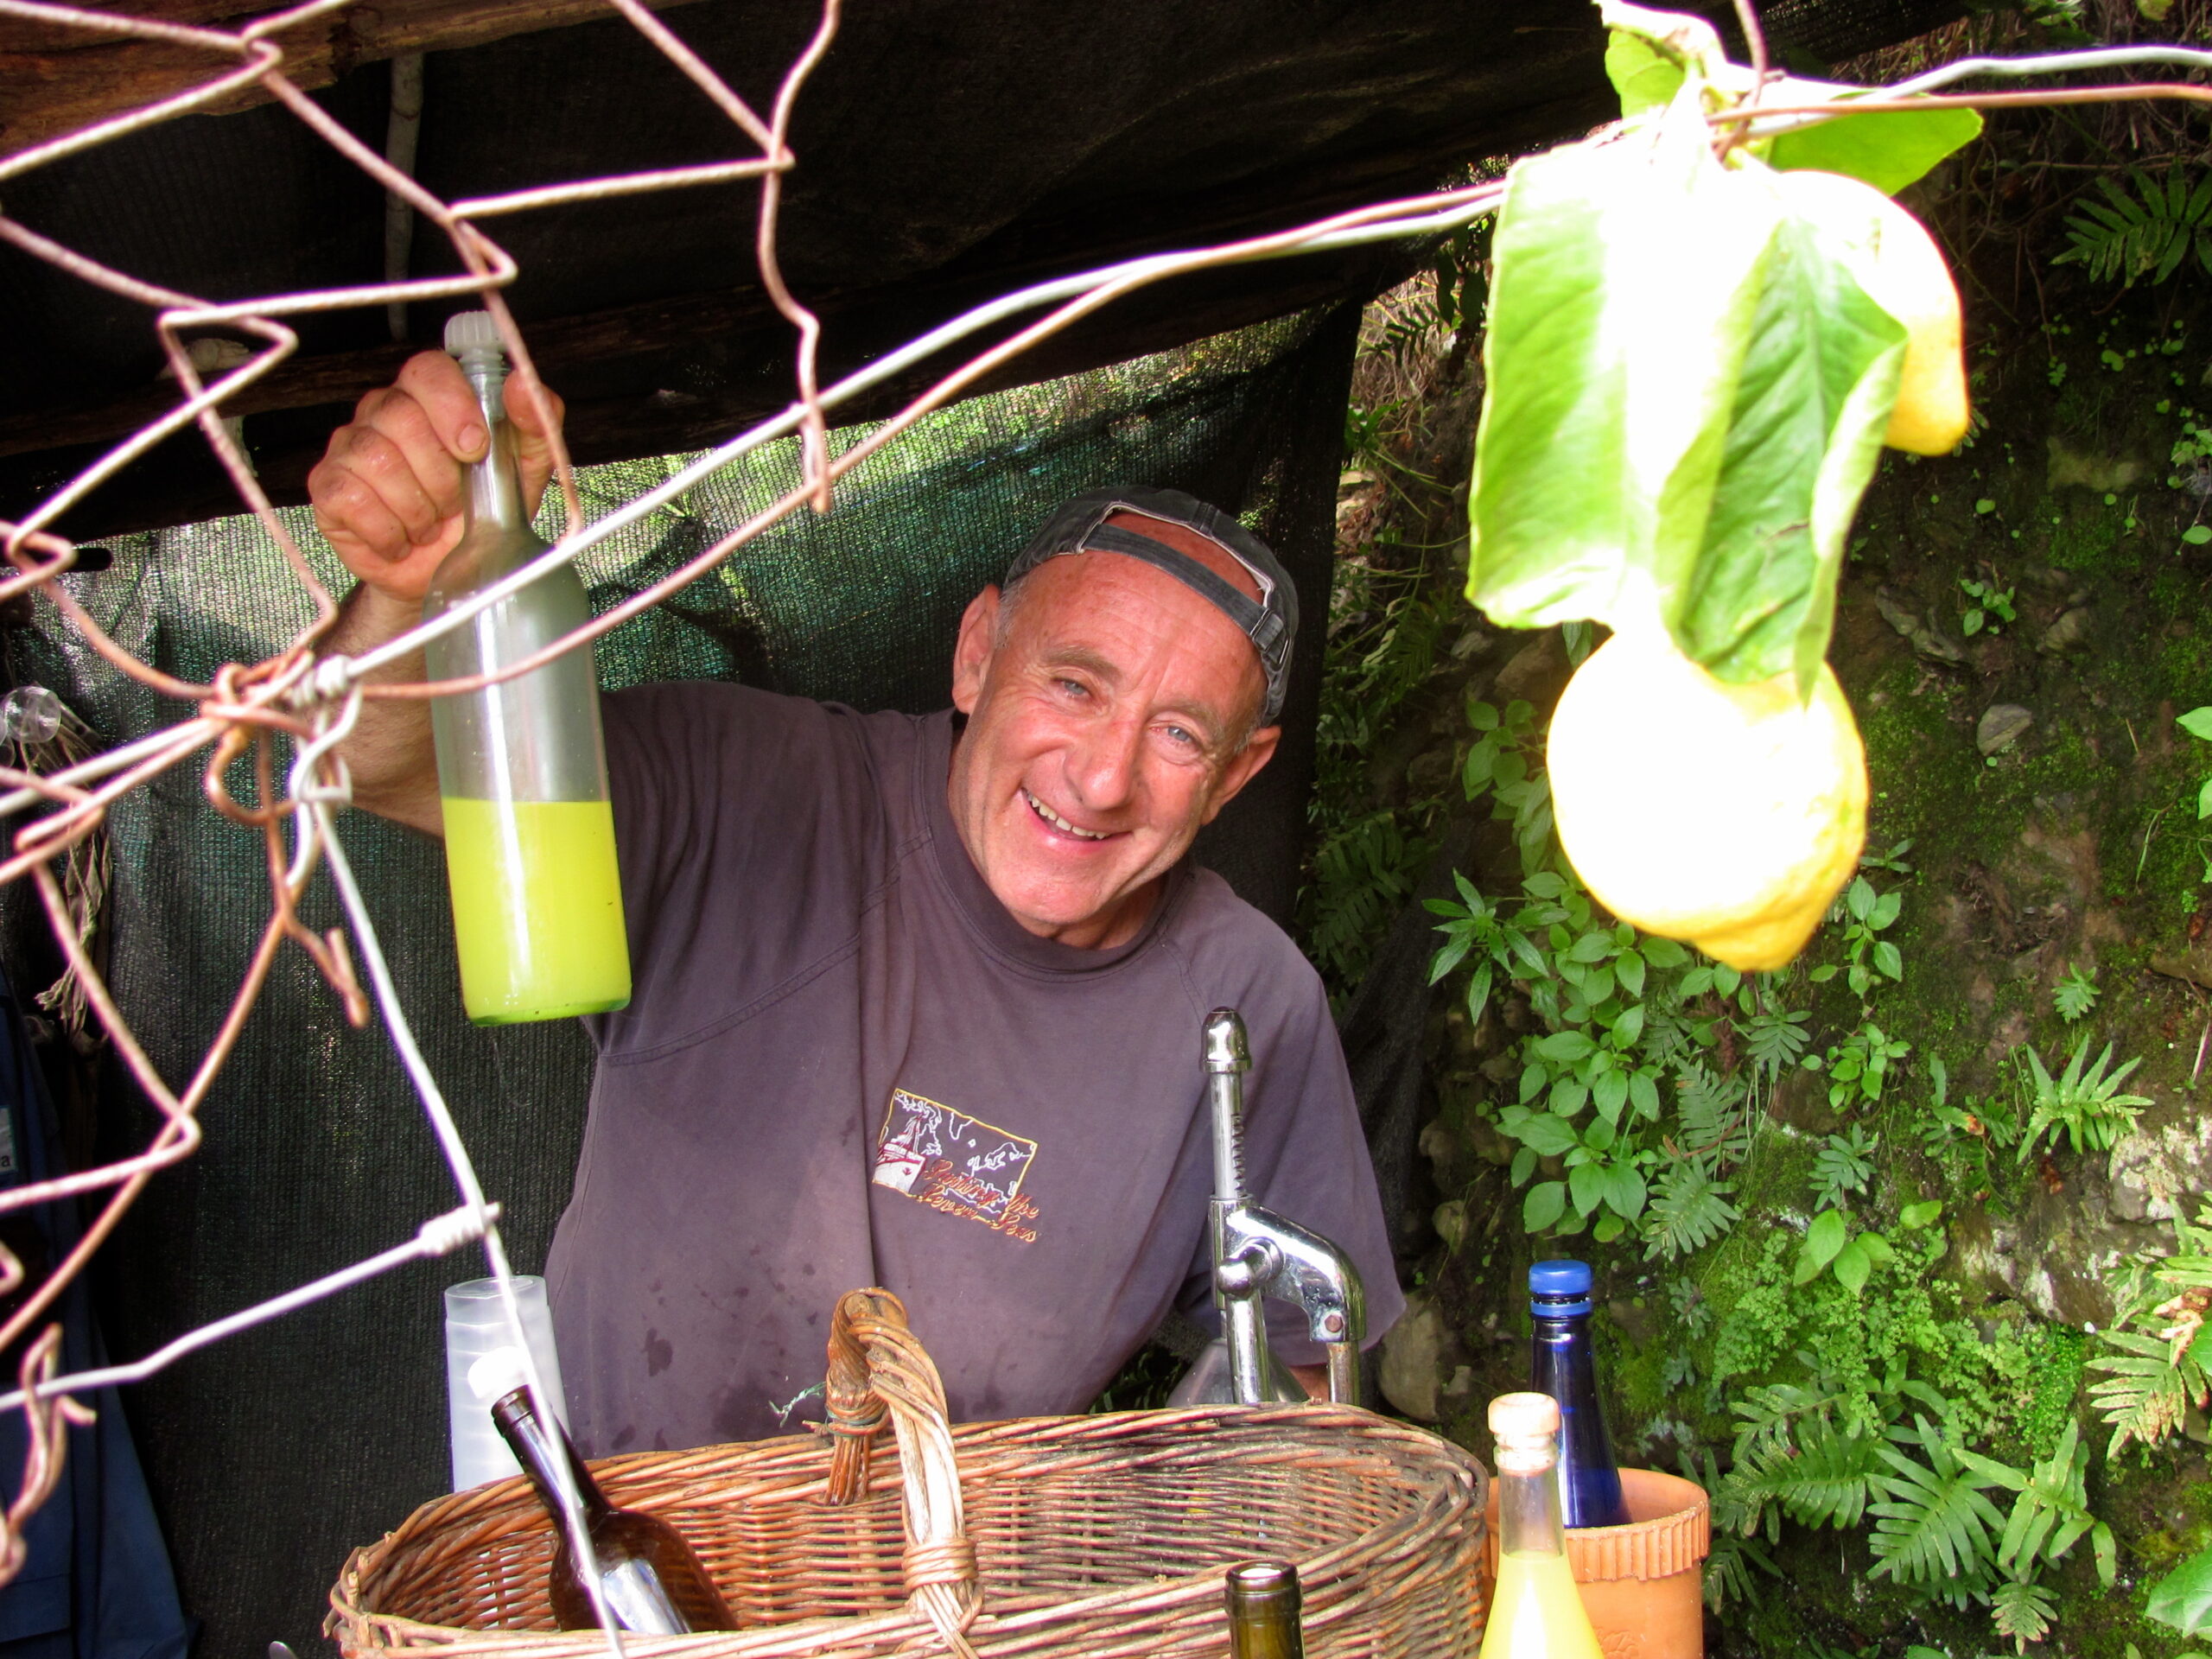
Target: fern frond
x,y
1711,1107
1768,1416
1933,1526
1728,1570
1690,1208
2051,1514
2149,233
1830,1481
2085,1106
2145,1392
2022,1611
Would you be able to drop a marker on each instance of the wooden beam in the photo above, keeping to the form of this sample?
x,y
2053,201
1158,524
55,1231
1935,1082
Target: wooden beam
x,y
55,80
634,382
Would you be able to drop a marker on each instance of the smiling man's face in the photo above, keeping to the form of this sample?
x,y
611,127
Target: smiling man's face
x,y
1109,720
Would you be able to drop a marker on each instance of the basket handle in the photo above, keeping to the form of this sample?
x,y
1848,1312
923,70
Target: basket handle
x,y
877,1365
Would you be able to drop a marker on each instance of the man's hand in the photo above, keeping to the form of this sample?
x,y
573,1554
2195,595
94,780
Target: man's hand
x,y
389,491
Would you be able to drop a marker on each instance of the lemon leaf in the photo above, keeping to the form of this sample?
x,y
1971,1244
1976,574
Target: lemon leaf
x,y
1627,276
1888,151
1644,76
1812,402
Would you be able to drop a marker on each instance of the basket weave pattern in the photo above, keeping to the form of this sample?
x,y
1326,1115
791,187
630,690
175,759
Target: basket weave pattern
x,y
1097,1536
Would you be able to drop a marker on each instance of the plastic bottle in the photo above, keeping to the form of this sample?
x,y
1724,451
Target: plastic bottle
x,y
1262,1599
649,1578
1589,1480
522,769
1537,1611
476,1324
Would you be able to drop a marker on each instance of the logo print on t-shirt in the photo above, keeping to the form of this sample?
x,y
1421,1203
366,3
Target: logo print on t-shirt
x,y
959,1163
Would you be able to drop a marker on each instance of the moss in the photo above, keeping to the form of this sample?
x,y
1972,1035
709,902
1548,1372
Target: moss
x,y
2057,1354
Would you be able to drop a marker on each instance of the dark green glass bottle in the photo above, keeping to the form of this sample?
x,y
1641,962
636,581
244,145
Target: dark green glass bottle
x,y
1263,1600
649,1578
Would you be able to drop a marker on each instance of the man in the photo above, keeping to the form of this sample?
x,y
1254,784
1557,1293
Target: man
x,y
917,1000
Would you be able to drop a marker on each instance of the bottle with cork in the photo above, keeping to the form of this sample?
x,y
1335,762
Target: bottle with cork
x,y
648,1577
522,767
1535,1611
1263,1603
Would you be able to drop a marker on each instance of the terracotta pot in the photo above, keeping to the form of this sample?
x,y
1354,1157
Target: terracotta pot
x,y
1643,1584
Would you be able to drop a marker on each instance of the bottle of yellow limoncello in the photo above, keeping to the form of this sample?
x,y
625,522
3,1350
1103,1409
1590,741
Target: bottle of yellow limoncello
x,y
529,832
1536,1613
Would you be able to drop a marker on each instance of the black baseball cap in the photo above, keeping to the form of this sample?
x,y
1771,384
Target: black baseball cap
x,y
1269,622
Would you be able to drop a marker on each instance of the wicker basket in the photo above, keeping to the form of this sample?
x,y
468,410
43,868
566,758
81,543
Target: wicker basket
x,y
1099,1536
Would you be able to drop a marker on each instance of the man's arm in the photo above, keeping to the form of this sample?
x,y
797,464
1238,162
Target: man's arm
x,y
390,493
394,769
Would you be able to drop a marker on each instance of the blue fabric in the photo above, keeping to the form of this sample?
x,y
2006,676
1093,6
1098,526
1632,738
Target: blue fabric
x,y
95,1582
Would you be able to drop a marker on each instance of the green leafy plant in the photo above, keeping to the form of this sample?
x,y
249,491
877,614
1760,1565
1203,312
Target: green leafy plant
x,y
1453,305
1507,760
1473,926
1736,1555
2197,722
2085,1106
1688,383
1893,861
2183,1598
2023,1610
2075,994
1829,1244
1824,1484
1858,1068
1865,914
1383,641
2148,233
1988,606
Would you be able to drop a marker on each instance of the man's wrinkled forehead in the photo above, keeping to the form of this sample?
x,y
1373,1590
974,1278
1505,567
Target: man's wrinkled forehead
x,y
1196,544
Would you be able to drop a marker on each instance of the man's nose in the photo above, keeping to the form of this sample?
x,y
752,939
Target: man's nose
x,y
1103,761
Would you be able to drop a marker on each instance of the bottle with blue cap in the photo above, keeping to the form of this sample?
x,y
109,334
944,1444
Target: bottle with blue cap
x,y
1564,1368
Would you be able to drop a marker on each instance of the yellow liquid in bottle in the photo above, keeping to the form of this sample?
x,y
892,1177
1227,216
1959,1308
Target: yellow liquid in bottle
x,y
1536,1613
537,908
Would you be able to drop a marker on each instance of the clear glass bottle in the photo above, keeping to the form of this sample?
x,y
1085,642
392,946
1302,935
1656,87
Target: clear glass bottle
x,y
1263,1599
648,1576
1564,1367
1535,1611
522,769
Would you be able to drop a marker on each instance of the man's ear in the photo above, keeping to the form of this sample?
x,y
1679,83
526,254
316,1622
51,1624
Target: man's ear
x,y
971,653
1244,766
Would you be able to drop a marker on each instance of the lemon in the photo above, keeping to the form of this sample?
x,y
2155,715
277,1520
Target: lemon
x,y
1903,272
1727,816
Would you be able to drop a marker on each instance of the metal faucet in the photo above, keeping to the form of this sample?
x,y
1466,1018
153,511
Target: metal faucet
x,y
1257,1253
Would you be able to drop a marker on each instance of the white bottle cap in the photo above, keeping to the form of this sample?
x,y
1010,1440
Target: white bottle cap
x,y
471,330
498,1374
1514,1416
1527,1429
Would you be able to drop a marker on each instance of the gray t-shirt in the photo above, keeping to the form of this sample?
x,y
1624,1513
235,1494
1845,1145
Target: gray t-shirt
x,y
846,1065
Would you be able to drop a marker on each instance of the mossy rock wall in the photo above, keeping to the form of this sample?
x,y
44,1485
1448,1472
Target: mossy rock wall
x,y
2035,767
